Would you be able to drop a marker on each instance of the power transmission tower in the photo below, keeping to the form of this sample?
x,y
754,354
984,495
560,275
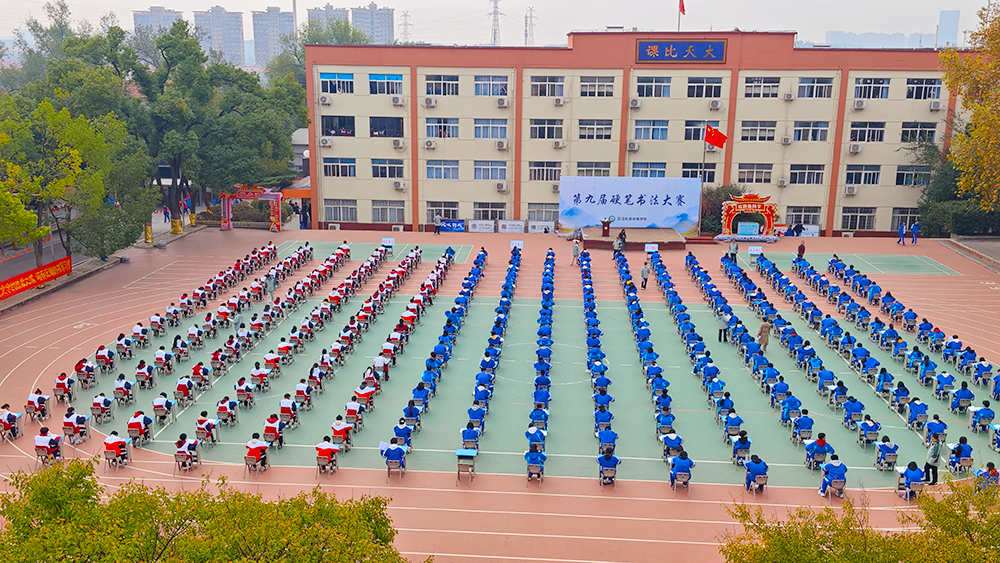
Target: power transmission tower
x,y
529,27
495,14
404,35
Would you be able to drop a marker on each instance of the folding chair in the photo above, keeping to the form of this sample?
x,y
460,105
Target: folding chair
x,y
534,471
326,464
110,457
137,436
609,474
682,479
272,438
915,488
760,481
393,465
470,445
251,464
835,485
42,455
180,459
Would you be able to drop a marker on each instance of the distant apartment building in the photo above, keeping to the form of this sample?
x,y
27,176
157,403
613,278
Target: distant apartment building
x,y
948,28
156,17
222,32
376,23
268,29
848,40
327,13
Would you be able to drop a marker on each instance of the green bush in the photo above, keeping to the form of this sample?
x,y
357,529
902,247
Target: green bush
x,y
250,212
959,217
711,206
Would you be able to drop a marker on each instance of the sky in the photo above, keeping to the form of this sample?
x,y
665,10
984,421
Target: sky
x,y
467,22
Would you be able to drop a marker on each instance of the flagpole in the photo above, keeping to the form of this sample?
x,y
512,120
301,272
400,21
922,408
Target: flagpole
x,y
678,18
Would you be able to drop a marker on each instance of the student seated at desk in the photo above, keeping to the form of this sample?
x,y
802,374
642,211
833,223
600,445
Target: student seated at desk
x,y
680,464
802,422
935,426
395,452
886,446
77,423
917,409
988,477
884,381
755,468
48,441
470,433
140,422
274,425
257,449
778,387
832,471
818,447
790,403
8,421
852,406
118,445
186,446
403,432
608,460
869,425
40,402
981,418
535,456
961,394
962,449
607,436
205,424
602,415
535,435
912,474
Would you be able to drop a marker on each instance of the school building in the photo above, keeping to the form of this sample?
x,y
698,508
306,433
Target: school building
x,y
401,134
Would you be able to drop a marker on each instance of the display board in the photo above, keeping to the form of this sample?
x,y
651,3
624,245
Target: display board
x,y
659,203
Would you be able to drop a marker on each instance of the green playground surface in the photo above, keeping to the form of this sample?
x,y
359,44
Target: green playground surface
x,y
894,264
571,445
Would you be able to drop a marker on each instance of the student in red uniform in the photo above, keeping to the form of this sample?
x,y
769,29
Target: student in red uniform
x,y
258,450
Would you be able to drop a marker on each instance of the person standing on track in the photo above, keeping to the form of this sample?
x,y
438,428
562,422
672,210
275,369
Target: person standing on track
x,y
437,223
764,335
915,230
902,234
734,249
644,273
802,249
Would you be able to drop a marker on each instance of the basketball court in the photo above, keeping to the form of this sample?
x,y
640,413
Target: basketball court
x,y
497,517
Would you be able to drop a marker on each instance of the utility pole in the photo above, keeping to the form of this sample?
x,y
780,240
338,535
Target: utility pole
x,y
495,14
529,27
295,16
404,35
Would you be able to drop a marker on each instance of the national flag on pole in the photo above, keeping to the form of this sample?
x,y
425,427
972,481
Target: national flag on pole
x,y
714,137
681,8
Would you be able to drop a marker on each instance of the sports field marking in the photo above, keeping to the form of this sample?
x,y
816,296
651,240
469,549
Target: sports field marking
x,y
939,267
559,536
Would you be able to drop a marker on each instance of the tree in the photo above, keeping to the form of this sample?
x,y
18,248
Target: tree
x,y
293,56
975,77
712,198
63,513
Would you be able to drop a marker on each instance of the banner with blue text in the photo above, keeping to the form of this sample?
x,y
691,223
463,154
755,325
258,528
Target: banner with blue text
x,y
662,203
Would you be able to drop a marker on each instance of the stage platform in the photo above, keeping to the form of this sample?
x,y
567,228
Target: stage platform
x,y
635,239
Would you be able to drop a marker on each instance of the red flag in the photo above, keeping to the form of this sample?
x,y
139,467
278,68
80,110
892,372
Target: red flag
x,y
681,8
714,137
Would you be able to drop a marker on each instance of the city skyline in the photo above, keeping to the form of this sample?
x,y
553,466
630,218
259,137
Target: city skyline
x,y
446,22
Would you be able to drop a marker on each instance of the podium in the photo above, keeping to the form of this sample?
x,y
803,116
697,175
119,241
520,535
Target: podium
x,y
605,229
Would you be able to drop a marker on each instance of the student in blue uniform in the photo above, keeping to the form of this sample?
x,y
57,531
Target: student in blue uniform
x,y
755,467
680,464
608,460
832,471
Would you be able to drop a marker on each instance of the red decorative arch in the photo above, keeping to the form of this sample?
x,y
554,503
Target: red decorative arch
x,y
748,203
244,192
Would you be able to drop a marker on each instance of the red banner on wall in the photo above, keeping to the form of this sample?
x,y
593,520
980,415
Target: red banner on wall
x,y
36,277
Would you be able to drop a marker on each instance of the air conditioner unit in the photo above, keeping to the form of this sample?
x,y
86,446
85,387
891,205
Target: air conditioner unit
x,y
555,188
325,100
782,182
789,96
430,144
786,140
847,234
854,148
558,144
712,148
326,142
398,144
860,105
333,226
715,105
502,145
559,101
503,103
632,146
398,101
399,186
430,102
397,228
937,105
502,187
634,103
850,190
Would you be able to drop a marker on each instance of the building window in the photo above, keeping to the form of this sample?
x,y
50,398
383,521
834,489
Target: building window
x,y
546,129
758,130
337,125
387,168
442,84
904,216
491,85
341,210
597,86
489,211
442,127
593,169
595,128
651,130
755,174
442,170
762,87
339,167
801,214
546,85
857,219
490,169
388,211
923,88
491,128
332,83
695,130
811,130
698,170
913,175
815,87
386,126
653,86
914,131
867,174
704,87
446,209
806,174
870,88
385,84
649,169
868,131
543,211
544,171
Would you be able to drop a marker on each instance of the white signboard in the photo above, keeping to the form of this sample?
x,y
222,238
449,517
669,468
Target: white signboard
x,y
510,226
388,241
755,250
664,203
517,244
541,226
652,247
481,227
